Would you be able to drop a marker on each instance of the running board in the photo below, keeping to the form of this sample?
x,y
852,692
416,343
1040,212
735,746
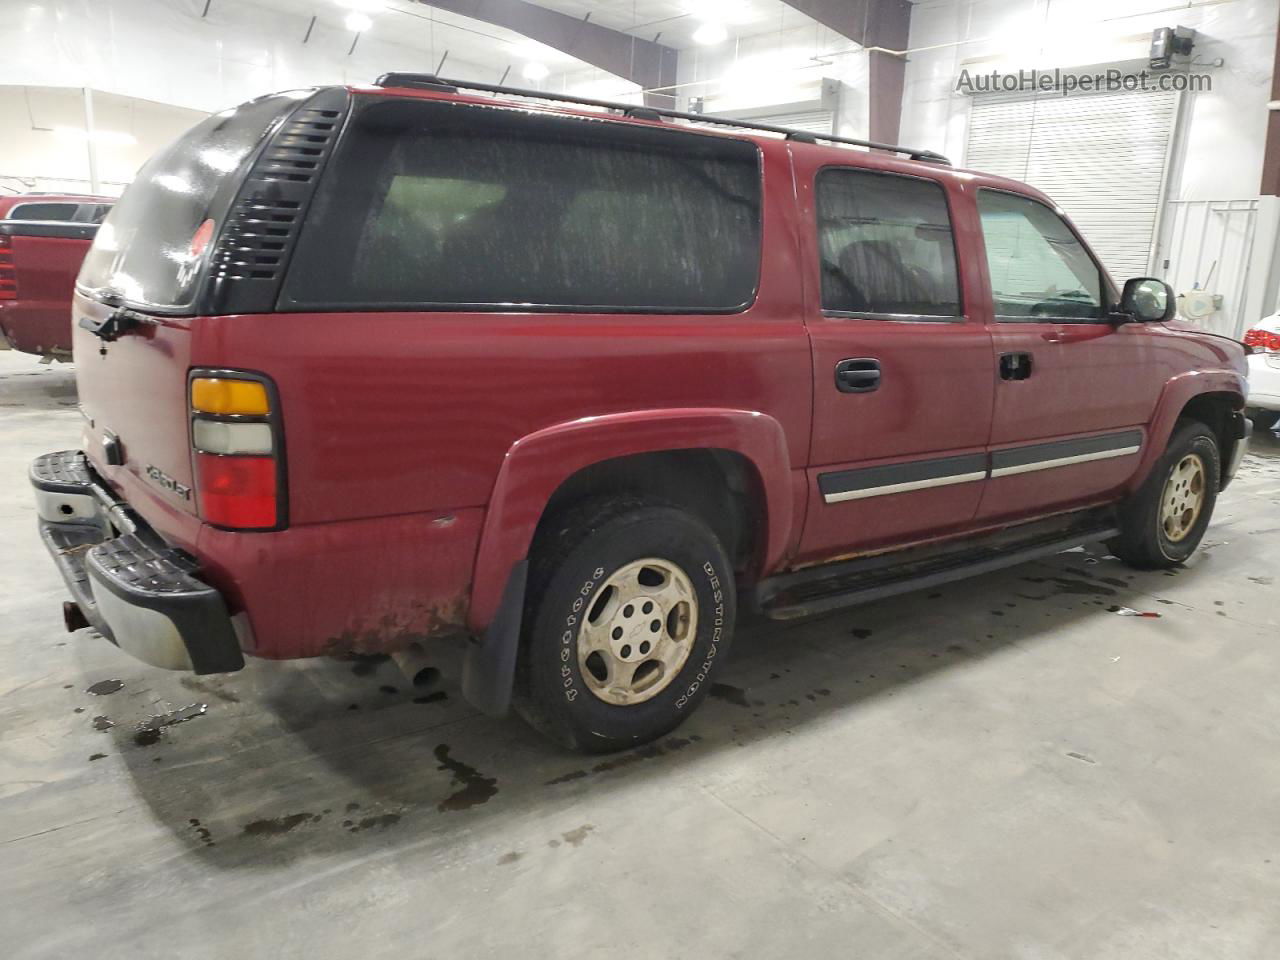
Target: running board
x,y
832,586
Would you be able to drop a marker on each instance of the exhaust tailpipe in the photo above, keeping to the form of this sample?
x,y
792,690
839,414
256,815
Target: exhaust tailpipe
x,y
413,663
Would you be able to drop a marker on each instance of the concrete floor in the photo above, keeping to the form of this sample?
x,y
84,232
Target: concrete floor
x,y
1001,768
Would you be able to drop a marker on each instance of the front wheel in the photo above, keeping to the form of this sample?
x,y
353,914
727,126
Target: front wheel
x,y
631,612
1164,522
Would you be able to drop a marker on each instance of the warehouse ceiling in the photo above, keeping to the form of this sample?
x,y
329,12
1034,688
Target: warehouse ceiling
x,y
679,24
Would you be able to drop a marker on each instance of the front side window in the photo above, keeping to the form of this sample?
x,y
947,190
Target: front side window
x,y
1039,269
43,211
886,245
437,205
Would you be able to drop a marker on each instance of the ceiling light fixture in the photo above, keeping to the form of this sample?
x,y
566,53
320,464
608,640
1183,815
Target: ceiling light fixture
x,y
358,22
535,71
709,34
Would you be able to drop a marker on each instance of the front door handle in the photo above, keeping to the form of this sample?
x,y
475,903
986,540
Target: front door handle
x,y
860,375
1015,366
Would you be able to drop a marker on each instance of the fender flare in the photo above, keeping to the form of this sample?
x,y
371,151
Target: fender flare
x,y
1178,391
536,465
533,469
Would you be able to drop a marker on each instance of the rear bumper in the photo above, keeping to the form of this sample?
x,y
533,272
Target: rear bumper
x,y
1264,381
137,591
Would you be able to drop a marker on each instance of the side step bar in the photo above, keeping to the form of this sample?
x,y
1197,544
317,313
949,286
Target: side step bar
x,y
815,590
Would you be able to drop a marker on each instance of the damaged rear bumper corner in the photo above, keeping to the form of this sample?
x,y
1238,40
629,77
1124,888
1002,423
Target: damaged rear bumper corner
x,y
131,586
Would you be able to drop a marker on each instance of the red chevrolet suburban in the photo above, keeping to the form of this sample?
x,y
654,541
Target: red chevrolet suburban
x,y
43,239
361,368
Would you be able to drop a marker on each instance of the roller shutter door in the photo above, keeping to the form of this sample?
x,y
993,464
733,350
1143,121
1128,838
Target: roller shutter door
x,y
1101,157
813,121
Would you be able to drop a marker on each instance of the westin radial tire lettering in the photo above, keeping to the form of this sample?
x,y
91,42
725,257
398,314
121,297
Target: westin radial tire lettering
x,y
630,613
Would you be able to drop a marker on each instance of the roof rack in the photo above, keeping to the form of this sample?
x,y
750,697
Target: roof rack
x,y
429,81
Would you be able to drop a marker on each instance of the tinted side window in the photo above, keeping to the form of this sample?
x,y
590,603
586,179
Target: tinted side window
x,y
436,205
886,245
43,211
1039,270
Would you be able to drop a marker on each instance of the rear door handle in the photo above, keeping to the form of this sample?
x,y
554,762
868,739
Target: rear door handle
x,y
859,375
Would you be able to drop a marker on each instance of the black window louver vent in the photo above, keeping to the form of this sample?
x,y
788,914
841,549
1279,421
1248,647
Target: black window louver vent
x,y
263,223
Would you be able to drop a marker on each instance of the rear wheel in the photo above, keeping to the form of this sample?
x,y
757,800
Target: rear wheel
x,y
631,611
1164,522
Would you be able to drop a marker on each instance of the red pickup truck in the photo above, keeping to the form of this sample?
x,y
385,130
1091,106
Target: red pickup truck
x,y
365,367
43,239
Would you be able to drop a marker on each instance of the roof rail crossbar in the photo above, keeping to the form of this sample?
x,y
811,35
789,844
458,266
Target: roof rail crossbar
x,y
430,81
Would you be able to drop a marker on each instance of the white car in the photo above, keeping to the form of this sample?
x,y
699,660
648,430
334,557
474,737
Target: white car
x,y
1264,373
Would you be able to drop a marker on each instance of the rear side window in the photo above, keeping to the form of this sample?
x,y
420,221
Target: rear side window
x,y
43,211
143,251
438,205
886,245
1039,269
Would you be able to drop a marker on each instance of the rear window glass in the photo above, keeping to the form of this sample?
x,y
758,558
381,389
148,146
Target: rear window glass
x,y
142,251
440,205
43,211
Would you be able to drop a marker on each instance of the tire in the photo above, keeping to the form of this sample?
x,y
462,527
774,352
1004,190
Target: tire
x,y
1164,522
600,578
1264,421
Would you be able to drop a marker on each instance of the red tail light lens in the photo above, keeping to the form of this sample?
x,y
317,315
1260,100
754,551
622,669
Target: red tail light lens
x,y
8,273
237,492
1263,340
239,457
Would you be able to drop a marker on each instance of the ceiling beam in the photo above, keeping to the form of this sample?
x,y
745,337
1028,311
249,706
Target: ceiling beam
x,y
872,23
649,64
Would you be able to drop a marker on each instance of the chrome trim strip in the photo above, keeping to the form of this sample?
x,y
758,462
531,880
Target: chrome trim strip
x,y
1064,461
902,487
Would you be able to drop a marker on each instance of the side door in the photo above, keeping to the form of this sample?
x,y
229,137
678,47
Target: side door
x,y
1072,400
902,381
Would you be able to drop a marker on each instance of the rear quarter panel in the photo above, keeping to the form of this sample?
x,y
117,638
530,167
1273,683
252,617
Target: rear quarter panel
x,y
408,417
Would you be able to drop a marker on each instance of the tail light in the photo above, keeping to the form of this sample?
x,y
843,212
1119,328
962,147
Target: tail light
x,y
239,456
1263,341
8,273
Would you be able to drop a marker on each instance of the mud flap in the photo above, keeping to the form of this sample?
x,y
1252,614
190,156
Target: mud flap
x,y
489,670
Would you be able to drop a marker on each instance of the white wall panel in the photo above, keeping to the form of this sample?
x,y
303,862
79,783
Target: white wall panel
x,y
1221,155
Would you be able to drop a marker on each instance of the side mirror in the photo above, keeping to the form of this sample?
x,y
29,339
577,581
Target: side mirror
x,y
1148,300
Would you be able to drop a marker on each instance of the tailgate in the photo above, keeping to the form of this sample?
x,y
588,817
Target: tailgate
x,y
42,260
138,303
133,394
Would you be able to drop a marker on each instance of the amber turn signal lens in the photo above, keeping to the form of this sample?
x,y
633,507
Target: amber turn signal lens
x,y
220,395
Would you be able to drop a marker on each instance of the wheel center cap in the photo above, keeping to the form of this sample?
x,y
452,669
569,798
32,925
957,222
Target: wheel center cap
x,y
636,629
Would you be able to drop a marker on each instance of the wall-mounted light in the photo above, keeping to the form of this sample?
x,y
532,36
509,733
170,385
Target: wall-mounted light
x,y
534,71
709,34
